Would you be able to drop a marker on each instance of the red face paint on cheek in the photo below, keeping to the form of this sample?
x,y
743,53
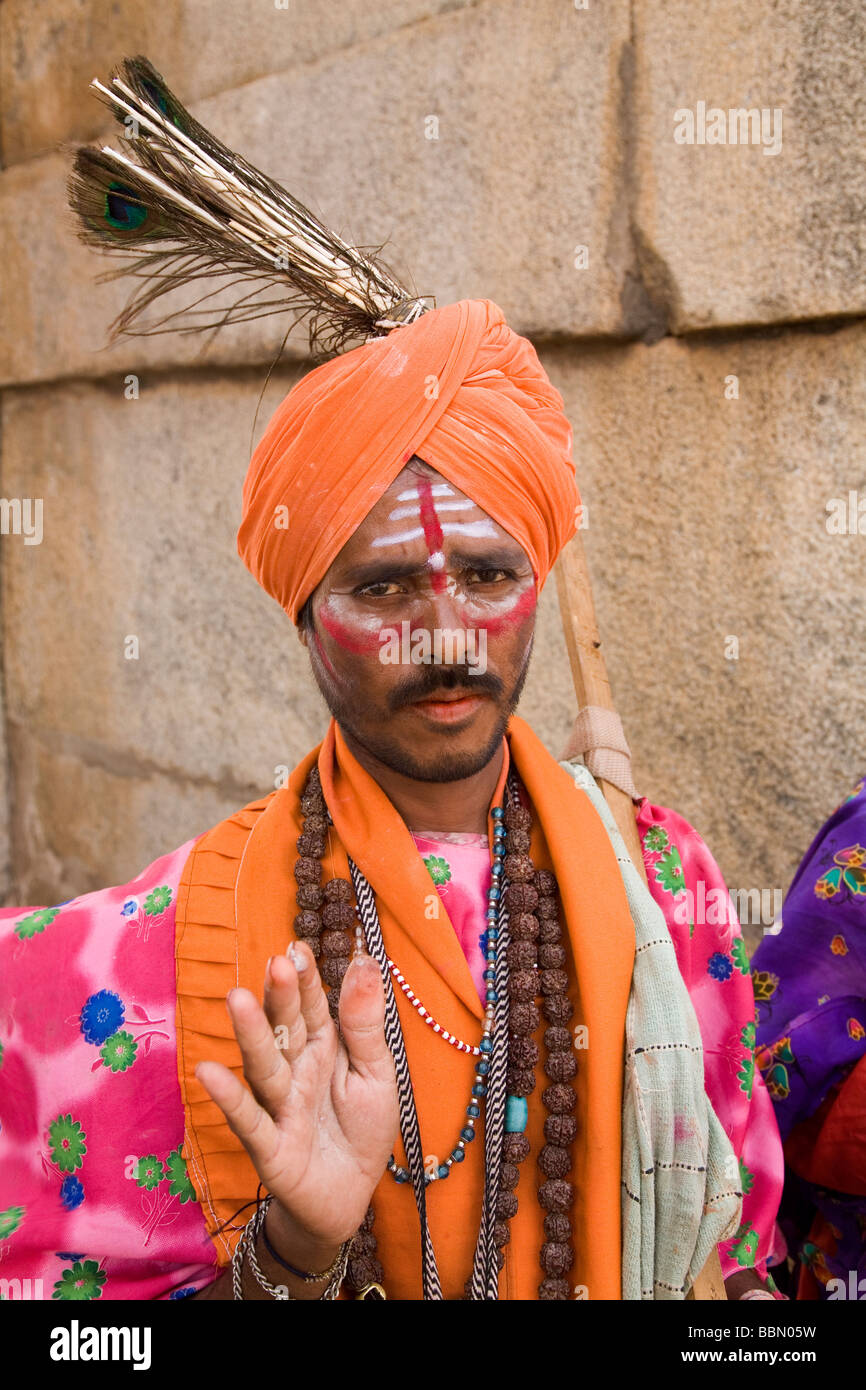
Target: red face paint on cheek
x,y
432,530
522,609
324,655
351,639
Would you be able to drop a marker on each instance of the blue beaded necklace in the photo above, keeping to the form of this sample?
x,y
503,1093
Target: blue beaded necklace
x,y
491,998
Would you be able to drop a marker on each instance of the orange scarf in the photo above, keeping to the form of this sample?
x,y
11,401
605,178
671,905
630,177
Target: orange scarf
x,y
235,906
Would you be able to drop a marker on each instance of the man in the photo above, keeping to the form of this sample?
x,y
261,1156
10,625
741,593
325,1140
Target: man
x,y
417,753
514,1106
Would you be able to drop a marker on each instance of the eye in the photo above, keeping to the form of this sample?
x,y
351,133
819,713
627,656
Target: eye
x,y
491,576
377,590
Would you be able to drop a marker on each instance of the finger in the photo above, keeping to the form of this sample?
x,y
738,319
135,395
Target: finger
x,y
245,1117
362,1019
314,1001
265,1067
283,1007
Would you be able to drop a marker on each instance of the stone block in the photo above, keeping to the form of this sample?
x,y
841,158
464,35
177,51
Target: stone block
x,y
731,234
711,531
524,169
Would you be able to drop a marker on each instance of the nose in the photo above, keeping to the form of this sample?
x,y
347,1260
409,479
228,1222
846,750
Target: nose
x,y
441,606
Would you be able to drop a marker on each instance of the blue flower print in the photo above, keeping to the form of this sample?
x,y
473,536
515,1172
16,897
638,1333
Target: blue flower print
x,y
68,1255
130,907
101,1016
184,1293
71,1195
720,966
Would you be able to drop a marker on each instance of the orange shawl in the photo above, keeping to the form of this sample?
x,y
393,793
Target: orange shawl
x,y
235,906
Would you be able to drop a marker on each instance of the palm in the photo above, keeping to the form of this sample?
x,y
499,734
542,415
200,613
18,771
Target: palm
x,y
320,1117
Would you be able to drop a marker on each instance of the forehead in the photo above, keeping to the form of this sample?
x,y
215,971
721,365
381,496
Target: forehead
x,y
422,512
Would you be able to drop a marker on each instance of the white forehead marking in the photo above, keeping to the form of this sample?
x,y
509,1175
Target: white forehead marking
x,y
454,506
463,528
437,490
398,540
470,528
436,561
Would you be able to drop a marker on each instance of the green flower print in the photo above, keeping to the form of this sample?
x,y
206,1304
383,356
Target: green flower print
x,y
157,901
10,1220
746,1249
747,1178
149,1172
656,838
119,1051
439,869
1,1054
738,951
669,871
180,1185
66,1142
81,1281
747,1034
35,923
746,1075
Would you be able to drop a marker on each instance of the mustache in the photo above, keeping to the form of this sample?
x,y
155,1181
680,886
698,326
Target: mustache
x,y
434,678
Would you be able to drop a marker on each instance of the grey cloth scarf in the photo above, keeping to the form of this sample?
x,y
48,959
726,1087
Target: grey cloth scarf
x,y
681,1190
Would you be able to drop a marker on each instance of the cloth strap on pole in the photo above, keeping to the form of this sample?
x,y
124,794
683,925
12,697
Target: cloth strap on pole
x,y
597,736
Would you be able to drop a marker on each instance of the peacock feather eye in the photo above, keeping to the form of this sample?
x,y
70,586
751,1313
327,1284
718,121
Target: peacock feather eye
x,y
156,96
126,216
160,99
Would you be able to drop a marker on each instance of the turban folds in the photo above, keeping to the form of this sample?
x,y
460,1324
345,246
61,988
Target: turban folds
x,y
459,388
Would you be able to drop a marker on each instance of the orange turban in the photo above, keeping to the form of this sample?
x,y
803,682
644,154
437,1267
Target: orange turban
x,y
459,388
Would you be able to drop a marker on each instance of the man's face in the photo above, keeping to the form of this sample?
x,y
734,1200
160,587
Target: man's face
x,y
429,597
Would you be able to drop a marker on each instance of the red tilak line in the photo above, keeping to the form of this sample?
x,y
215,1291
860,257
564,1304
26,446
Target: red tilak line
x,y
432,530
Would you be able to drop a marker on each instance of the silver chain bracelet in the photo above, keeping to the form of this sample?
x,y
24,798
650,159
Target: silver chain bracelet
x,y
246,1248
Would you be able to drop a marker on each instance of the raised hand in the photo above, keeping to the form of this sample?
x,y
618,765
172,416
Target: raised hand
x,y
320,1116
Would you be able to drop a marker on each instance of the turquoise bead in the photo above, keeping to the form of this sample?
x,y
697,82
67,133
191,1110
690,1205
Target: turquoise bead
x,y
443,1170
516,1114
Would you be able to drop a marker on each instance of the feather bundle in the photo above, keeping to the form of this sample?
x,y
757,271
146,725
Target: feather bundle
x,y
190,210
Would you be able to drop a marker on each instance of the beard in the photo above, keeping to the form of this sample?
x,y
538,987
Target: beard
x,y
439,765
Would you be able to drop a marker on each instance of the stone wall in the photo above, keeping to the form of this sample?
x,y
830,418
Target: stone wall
x,y
708,341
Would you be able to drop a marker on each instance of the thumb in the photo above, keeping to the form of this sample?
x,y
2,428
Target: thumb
x,y
362,1018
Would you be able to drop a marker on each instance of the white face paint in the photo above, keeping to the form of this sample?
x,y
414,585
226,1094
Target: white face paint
x,y
455,506
437,490
398,540
471,528
463,528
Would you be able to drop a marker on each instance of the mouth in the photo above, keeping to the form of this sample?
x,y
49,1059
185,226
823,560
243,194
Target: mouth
x,y
448,706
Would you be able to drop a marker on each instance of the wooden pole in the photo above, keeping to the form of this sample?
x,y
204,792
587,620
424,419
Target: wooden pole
x,y
592,687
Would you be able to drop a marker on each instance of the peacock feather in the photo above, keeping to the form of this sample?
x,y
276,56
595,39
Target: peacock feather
x,y
189,209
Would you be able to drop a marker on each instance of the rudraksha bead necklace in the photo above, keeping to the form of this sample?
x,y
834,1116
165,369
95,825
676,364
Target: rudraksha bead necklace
x,y
536,960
